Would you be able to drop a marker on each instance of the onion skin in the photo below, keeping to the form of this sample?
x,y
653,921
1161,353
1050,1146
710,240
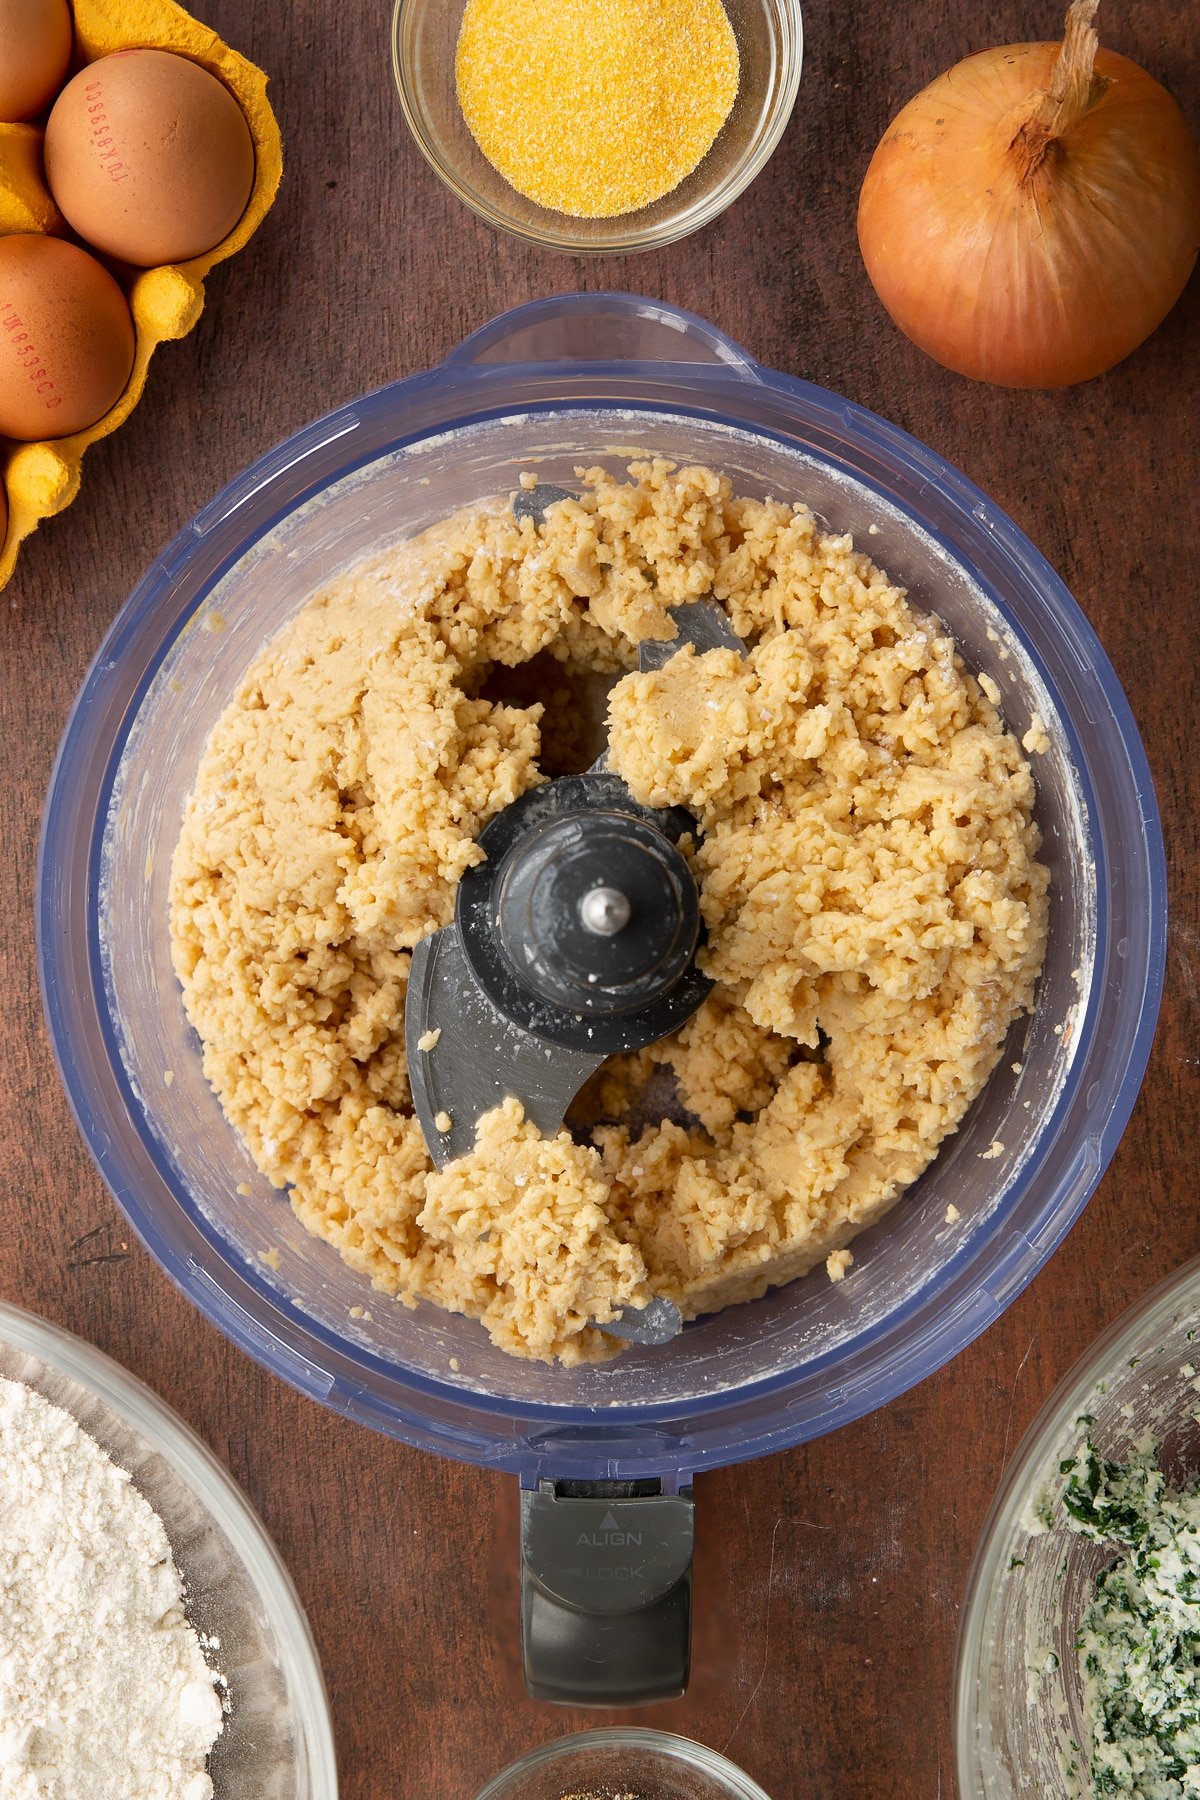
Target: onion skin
x,y
1031,278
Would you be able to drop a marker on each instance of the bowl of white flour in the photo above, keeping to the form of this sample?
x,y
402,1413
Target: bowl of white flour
x,y
152,1646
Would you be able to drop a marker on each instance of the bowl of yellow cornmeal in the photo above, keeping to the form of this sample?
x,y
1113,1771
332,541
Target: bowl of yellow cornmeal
x,y
597,125
927,855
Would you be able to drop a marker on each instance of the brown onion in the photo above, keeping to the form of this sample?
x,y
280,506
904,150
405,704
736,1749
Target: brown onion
x,y
1033,214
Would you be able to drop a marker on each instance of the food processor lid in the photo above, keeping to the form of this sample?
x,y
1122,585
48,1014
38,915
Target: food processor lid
x,y
624,354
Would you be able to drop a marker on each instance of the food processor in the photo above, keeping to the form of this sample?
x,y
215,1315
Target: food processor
x,y
606,1454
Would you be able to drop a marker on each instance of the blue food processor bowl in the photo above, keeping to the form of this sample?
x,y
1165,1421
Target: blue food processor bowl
x,y
588,379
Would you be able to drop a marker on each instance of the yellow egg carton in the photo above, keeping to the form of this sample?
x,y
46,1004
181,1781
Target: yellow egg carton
x,y
42,478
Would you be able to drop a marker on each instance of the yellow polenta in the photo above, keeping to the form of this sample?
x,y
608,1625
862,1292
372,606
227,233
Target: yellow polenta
x,y
595,107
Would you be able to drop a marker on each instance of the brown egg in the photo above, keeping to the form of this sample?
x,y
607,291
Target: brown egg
x,y
35,48
66,338
149,157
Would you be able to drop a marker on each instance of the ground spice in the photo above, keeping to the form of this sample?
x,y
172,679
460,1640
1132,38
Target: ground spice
x,y
595,107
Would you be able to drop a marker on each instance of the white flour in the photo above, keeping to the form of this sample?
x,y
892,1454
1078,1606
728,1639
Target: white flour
x,y
104,1692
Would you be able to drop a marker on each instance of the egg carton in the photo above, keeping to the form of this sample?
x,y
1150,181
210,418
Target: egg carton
x,y
42,478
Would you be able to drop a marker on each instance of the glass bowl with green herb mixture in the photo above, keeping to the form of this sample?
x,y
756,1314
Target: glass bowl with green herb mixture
x,y
1079,1649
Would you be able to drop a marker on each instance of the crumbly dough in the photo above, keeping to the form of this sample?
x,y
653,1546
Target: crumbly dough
x,y
875,910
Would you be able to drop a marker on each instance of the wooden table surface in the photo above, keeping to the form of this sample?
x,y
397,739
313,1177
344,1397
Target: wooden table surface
x,y
828,1579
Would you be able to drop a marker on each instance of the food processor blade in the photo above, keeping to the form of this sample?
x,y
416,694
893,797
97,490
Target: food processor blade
x,y
655,1323
483,1060
702,623
577,939
532,503
465,1057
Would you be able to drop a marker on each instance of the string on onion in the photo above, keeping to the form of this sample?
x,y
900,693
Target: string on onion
x,y
1034,214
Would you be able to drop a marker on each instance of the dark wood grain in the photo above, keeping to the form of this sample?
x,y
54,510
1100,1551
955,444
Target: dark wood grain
x,y
829,1579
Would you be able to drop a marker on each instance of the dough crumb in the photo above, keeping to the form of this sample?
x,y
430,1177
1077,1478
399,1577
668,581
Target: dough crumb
x,y
428,1040
244,1189
994,1149
443,1122
952,1214
990,689
836,1264
168,1077
1037,739
271,1257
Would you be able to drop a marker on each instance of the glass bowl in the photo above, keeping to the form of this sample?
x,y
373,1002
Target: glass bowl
x,y
1019,1719
277,1743
622,1764
770,45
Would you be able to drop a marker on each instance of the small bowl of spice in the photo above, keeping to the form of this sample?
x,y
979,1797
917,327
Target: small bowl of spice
x,y
1079,1651
151,1643
622,1763
597,125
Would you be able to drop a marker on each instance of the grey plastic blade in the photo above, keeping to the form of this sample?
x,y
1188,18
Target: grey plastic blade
x,y
476,1059
703,623
531,503
656,1323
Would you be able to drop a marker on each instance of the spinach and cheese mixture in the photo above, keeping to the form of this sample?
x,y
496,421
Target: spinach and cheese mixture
x,y
1139,1642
